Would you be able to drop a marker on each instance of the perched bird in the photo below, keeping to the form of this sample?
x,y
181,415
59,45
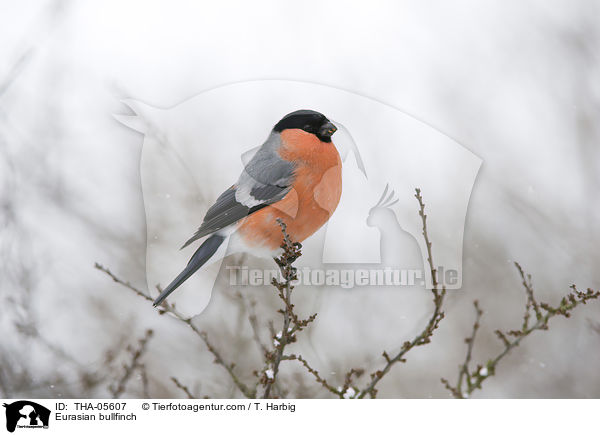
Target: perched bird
x,y
296,175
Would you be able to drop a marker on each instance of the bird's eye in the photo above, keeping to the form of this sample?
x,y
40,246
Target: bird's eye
x,y
306,127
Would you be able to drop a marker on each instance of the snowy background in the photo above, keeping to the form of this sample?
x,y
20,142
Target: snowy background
x,y
516,83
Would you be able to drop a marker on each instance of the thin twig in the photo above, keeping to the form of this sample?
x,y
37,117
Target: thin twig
x,y
464,373
123,283
182,388
531,302
470,343
144,376
316,375
425,336
165,307
250,304
130,368
229,367
291,322
471,381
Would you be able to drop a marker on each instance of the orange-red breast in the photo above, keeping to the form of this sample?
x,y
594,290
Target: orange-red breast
x,y
296,175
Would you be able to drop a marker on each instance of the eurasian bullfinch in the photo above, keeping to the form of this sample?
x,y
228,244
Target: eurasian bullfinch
x,y
296,175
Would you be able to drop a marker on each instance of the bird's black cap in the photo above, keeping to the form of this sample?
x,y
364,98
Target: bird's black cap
x,y
309,121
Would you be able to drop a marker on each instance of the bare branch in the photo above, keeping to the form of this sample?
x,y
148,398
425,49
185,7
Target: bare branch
x,y
291,322
145,385
464,373
182,388
425,336
229,367
136,355
123,283
317,377
250,305
470,381
165,307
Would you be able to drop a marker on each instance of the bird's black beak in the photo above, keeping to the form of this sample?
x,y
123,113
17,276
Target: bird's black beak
x,y
327,130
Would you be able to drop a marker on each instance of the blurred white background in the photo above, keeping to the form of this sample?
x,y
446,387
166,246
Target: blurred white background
x,y
516,83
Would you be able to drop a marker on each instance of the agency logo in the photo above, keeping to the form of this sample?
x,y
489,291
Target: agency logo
x,y
197,149
25,414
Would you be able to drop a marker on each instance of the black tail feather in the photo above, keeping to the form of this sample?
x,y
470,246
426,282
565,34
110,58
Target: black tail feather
x,y
201,256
